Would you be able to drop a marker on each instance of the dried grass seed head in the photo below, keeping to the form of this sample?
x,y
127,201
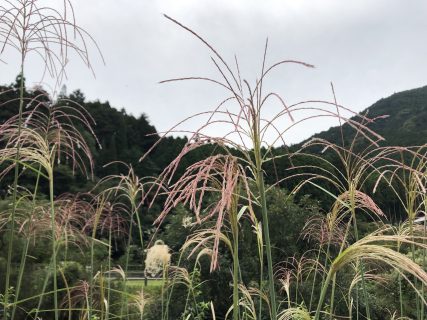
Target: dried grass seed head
x,y
50,34
52,133
158,258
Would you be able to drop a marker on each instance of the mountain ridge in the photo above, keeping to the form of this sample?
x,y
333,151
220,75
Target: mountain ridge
x,y
405,124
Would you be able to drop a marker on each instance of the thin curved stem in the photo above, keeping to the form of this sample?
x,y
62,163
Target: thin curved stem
x,y
54,253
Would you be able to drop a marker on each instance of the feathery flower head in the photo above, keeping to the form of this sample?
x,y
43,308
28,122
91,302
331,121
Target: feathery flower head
x,y
158,258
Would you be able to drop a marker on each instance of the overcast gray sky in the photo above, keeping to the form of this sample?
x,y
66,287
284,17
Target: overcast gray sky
x,y
369,49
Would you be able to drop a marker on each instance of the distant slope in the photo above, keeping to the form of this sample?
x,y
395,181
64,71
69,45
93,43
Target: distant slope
x,y
405,126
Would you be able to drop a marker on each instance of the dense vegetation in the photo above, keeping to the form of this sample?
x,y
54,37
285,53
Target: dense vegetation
x,y
94,202
404,125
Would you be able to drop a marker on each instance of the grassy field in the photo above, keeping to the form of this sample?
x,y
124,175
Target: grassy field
x,y
153,286
137,284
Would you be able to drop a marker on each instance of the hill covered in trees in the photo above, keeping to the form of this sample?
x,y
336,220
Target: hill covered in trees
x,y
404,125
125,138
121,138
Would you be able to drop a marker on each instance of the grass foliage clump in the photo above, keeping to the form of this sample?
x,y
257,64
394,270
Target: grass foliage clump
x,y
244,248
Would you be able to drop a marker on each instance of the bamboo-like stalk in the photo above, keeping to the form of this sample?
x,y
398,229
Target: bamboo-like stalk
x,y
399,279
68,295
323,294
261,263
98,213
266,233
54,244
14,192
424,252
26,247
124,281
360,264
334,279
164,289
314,278
109,270
259,176
235,235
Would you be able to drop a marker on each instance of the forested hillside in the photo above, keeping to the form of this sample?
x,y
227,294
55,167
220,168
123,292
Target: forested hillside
x,y
125,138
405,124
